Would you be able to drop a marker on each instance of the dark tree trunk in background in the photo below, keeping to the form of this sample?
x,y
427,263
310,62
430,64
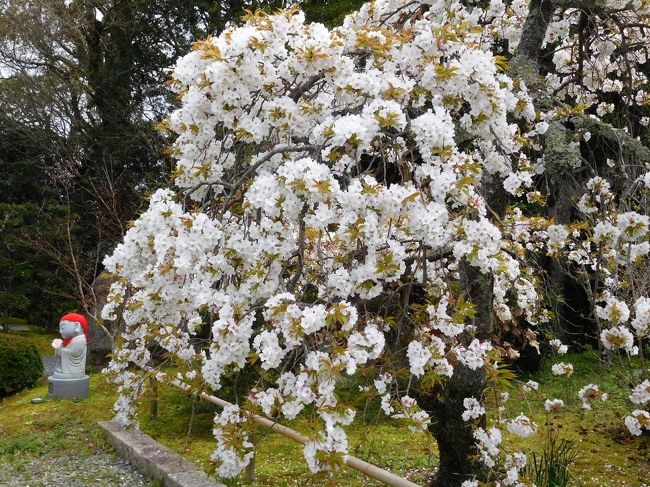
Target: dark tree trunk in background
x,y
570,304
567,295
110,67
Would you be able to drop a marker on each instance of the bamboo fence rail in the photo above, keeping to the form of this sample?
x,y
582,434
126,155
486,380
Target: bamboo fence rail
x,y
355,463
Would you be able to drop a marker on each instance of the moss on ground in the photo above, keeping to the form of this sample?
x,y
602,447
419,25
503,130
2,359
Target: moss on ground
x,y
280,461
609,456
53,427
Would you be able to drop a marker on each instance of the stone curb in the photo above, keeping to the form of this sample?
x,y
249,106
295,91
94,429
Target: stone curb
x,y
153,459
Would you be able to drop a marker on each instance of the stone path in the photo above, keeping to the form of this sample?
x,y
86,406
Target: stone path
x,y
19,328
99,470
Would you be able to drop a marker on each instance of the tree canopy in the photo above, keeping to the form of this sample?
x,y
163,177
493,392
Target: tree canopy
x,y
396,195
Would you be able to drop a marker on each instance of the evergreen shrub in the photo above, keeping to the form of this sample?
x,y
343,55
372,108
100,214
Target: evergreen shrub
x,y
20,364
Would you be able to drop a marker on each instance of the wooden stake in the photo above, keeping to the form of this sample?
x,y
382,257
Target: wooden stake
x,y
249,474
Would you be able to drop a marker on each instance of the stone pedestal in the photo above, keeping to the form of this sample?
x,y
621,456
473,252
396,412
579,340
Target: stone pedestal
x,y
61,388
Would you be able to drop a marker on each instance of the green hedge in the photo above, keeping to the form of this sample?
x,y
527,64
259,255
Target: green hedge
x,y
20,364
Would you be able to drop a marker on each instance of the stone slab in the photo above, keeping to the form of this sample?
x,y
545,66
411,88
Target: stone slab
x,y
58,388
190,479
155,460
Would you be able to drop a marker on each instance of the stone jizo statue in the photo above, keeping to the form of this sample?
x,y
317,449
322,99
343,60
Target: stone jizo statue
x,y
69,379
72,350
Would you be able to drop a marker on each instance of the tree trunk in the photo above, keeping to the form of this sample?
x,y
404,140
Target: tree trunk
x,y
110,67
153,397
456,443
454,436
6,318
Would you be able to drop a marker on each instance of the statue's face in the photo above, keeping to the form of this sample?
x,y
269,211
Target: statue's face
x,y
69,329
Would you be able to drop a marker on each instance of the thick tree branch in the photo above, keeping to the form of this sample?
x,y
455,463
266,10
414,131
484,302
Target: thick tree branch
x,y
525,61
300,90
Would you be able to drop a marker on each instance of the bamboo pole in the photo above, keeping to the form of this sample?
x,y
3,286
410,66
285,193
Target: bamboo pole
x,y
368,469
153,397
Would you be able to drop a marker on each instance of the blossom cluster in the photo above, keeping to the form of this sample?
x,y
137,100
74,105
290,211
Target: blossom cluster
x,y
589,394
246,231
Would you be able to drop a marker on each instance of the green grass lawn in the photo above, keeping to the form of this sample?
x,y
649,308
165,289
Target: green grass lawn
x,y
279,461
608,455
53,427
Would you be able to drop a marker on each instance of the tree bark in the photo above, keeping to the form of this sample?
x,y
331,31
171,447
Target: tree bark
x,y
454,436
561,158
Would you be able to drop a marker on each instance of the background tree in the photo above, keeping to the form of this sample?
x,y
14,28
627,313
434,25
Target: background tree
x,y
34,287
81,89
328,12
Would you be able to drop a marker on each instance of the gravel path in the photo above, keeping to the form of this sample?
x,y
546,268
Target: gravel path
x,y
99,470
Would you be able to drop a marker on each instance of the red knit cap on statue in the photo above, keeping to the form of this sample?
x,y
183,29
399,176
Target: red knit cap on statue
x,y
76,318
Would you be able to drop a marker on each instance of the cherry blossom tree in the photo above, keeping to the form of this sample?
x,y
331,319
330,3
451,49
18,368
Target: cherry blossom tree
x,y
350,200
